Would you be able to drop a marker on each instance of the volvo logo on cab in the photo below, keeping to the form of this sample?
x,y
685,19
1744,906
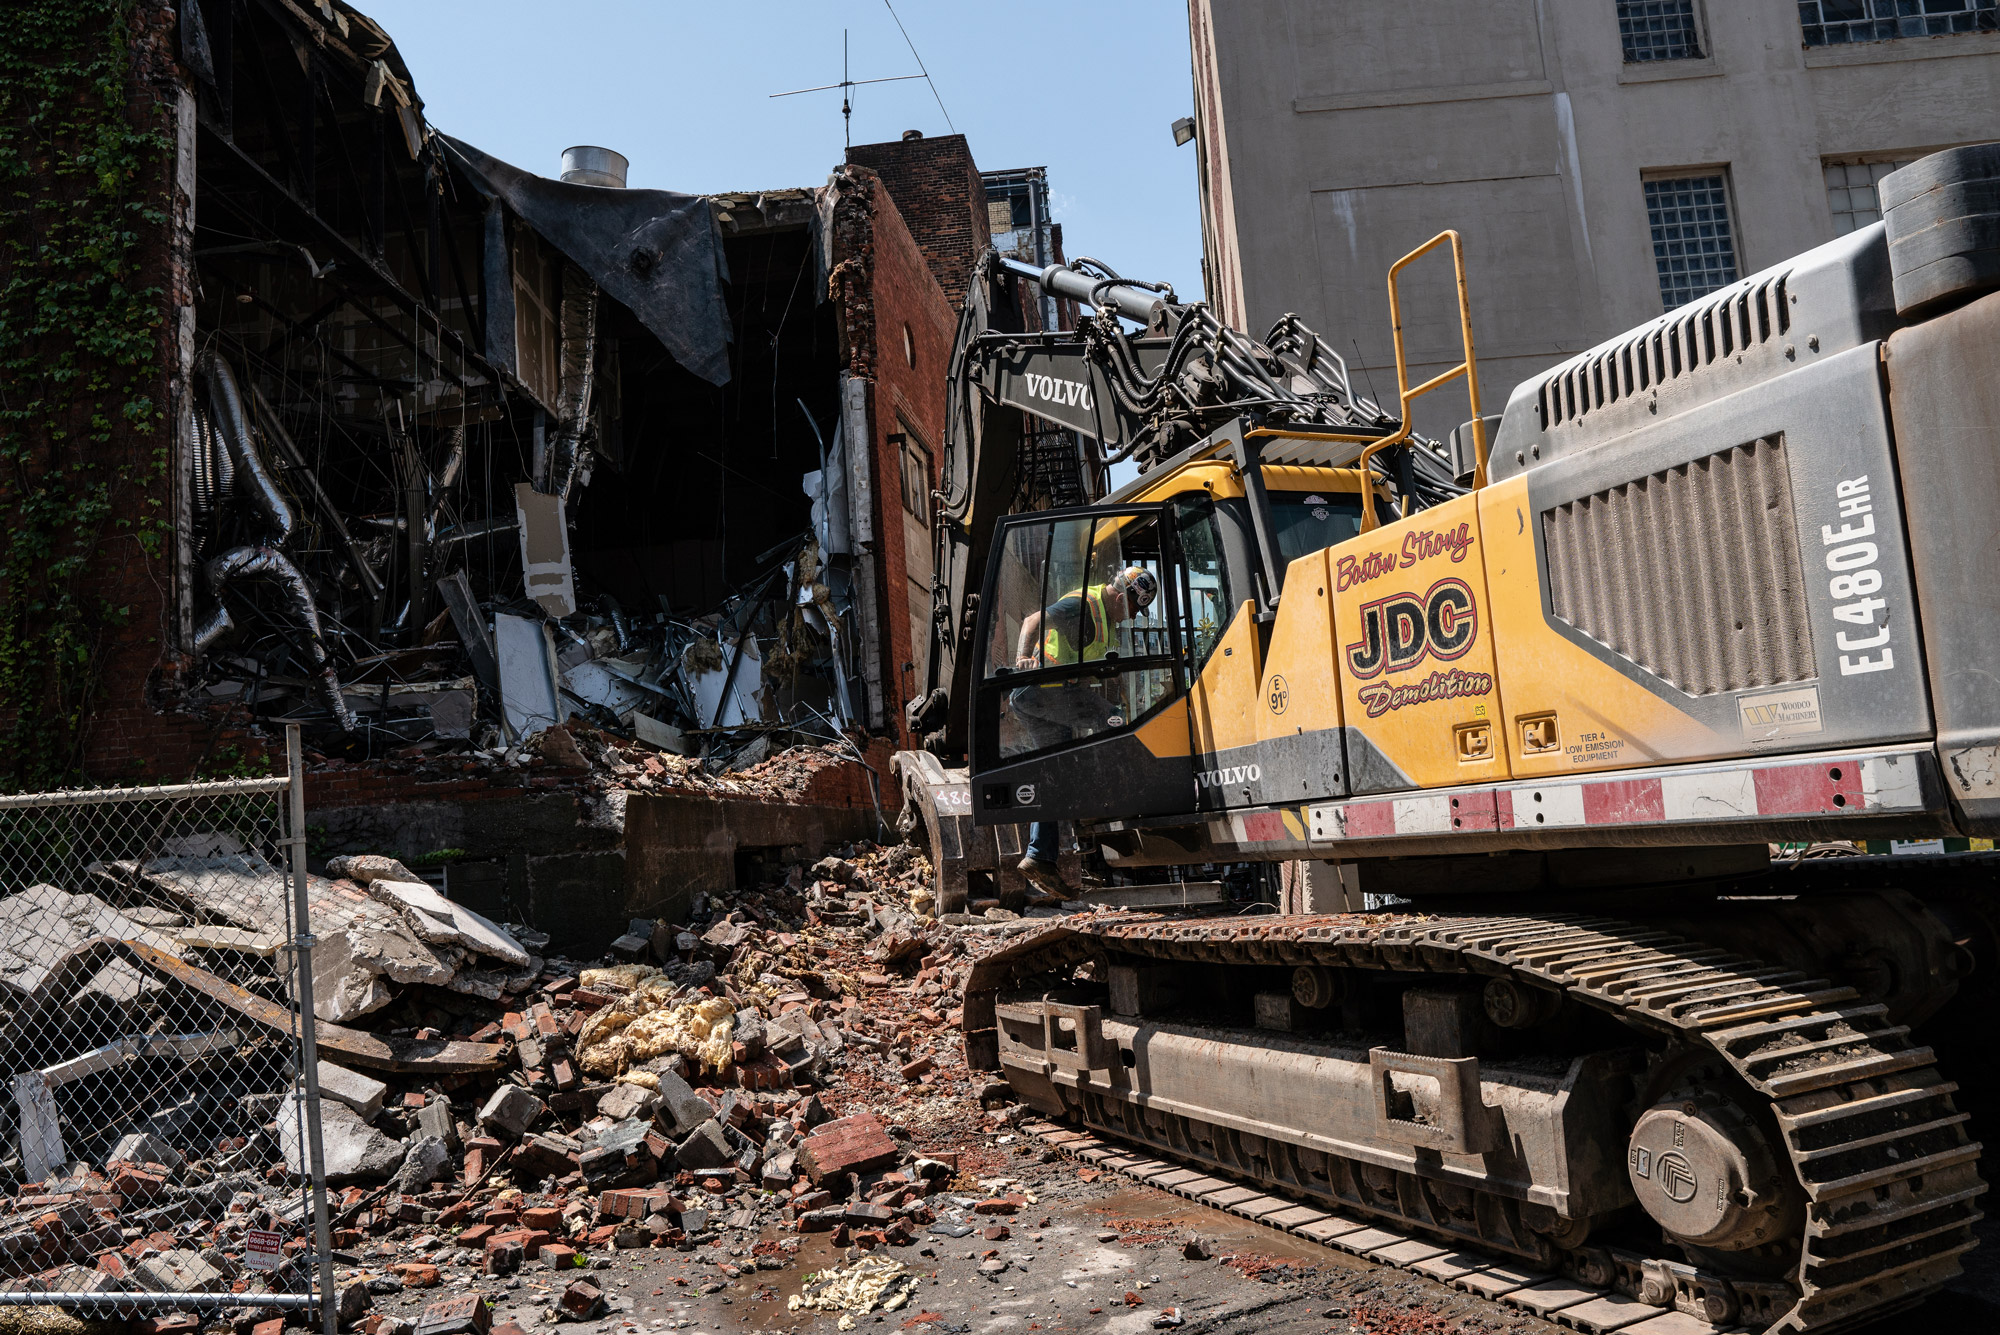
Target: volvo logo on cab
x,y
1230,774
1072,392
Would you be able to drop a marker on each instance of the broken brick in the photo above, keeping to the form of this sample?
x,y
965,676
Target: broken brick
x,y
857,1144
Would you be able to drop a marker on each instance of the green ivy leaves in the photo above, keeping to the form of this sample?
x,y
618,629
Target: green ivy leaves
x,y
83,187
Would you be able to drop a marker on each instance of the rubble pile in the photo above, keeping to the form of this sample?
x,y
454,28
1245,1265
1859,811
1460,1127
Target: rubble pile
x,y
785,1063
586,759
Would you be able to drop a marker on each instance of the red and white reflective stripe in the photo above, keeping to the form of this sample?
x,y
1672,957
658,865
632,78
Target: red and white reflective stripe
x,y
1873,784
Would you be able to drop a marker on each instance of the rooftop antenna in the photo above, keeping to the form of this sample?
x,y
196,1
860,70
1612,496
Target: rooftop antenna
x,y
846,87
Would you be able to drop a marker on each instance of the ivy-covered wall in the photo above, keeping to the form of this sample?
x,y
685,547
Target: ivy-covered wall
x,y
89,369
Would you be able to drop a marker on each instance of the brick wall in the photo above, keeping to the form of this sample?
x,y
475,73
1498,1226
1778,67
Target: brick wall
x,y
126,734
888,288
937,189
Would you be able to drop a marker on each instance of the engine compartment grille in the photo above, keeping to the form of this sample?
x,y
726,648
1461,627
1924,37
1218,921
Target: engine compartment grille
x,y
1692,573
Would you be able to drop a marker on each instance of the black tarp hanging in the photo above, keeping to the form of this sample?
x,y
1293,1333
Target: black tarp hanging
x,y
656,252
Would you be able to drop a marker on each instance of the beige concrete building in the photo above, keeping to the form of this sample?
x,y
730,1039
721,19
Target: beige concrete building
x,y
1604,159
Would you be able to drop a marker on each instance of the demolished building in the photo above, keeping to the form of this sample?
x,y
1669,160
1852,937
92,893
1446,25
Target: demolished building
x,y
456,453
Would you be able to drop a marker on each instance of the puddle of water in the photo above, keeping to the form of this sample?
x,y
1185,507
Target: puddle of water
x,y
1224,1233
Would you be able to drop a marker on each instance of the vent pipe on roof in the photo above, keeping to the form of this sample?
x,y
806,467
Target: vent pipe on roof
x,y
588,165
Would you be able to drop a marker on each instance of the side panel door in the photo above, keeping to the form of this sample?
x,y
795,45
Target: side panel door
x,y
1420,692
1077,717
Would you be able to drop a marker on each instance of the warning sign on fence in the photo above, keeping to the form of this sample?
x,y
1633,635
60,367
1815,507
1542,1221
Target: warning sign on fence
x,y
263,1250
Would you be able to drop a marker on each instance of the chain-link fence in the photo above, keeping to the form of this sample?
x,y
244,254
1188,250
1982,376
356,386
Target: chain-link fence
x,y
155,1051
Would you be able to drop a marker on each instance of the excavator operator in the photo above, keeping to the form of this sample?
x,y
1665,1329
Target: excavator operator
x,y
1080,627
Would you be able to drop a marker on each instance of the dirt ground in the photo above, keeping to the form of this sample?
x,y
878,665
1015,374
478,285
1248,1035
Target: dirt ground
x,y
1101,1256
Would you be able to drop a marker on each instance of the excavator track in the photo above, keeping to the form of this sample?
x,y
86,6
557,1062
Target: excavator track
x,y
1882,1157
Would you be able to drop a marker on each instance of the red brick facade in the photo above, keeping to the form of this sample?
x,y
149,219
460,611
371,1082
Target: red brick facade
x,y
937,189
124,736
904,239
898,329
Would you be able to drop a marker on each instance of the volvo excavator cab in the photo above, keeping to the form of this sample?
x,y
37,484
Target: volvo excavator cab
x,y
1090,703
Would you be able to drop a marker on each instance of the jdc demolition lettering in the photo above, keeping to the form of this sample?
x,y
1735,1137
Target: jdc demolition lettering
x,y
1380,697
1856,580
1399,631
1074,392
1418,545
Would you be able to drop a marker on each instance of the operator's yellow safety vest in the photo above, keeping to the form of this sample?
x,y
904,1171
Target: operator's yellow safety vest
x,y
1056,649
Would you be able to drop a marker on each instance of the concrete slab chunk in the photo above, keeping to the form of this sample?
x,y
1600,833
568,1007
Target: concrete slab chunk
x,y
352,1088
142,1148
42,925
681,1104
354,1149
439,921
512,1109
704,1147
426,1161
179,1272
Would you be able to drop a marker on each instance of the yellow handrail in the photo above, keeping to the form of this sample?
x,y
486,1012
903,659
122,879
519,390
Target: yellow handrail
x,y
1469,368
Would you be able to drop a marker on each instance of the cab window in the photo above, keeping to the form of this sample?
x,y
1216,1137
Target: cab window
x,y
1309,521
1209,601
1080,614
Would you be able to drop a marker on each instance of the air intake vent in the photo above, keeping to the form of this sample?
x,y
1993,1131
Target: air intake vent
x,y
1692,573
1679,343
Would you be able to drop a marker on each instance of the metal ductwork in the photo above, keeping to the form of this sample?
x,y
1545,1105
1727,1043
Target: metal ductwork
x,y
579,361
267,563
586,164
226,454
226,410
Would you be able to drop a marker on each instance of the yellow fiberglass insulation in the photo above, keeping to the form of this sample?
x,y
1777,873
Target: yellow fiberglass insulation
x,y
644,1026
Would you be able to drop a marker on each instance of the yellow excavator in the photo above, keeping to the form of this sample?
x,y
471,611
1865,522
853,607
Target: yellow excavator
x,y
1544,719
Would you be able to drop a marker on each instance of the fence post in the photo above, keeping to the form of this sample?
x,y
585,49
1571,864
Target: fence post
x,y
302,945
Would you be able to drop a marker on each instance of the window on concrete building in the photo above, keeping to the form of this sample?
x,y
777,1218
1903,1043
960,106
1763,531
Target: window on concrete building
x,y
1694,246
1850,189
1837,22
1658,30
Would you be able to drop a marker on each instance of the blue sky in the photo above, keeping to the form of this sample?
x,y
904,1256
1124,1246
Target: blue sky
x,y
1088,90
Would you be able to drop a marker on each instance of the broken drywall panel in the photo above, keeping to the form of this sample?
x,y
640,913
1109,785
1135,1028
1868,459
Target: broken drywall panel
x,y
456,590
742,707
41,926
597,682
439,921
381,1052
655,733
545,564
452,713
527,665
